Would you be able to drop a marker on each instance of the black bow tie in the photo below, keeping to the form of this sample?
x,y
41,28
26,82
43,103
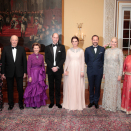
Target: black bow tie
x,y
14,47
55,45
95,47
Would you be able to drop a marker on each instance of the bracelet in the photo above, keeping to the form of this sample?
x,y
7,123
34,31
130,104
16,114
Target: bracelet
x,y
82,71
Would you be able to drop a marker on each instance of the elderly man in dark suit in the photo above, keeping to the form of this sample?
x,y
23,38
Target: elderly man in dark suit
x,y
94,58
55,57
14,65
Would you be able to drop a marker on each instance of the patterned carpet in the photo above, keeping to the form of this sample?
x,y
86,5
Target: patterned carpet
x,y
45,119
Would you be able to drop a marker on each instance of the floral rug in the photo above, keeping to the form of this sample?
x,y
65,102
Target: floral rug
x,y
45,119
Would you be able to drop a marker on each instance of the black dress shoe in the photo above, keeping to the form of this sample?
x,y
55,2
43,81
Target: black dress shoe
x,y
59,105
90,105
21,107
96,106
51,105
34,107
10,107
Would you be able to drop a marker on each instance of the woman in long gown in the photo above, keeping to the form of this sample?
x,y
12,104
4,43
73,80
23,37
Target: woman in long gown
x,y
126,92
113,64
74,81
35,92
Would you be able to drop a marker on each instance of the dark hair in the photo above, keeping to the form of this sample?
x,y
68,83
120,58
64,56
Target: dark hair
x,y
36,44
74,37
95,36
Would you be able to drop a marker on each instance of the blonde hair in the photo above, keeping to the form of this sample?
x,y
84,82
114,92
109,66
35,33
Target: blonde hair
x,y
114,38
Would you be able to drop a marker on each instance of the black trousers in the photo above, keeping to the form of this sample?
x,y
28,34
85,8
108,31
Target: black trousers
x,y
94,82
10,86
54,79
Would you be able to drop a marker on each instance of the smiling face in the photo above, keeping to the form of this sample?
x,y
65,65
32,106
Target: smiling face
x,y
114,42
14,40
75,43
55,38
36,49
95,41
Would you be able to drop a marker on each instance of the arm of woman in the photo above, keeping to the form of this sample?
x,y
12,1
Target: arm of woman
x,y
121,65
43,65
67,61
104,65
124,65
82,64
29,68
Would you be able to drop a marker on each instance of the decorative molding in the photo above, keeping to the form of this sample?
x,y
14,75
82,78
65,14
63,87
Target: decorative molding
x,y
109,20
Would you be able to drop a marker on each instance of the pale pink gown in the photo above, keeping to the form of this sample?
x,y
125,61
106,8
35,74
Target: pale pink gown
x,y
74,84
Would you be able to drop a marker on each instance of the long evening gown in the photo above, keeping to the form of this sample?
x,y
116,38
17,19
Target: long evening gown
x,y
74,84
35,92
113,64
126,92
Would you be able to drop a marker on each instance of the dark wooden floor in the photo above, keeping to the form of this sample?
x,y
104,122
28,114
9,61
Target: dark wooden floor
x,y
4,91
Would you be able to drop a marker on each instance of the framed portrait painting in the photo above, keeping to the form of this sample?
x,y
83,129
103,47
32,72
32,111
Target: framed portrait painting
x,y
31,20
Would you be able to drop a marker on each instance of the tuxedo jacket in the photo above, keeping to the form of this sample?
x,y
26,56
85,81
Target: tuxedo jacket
x,y
11,68
60,58
94,61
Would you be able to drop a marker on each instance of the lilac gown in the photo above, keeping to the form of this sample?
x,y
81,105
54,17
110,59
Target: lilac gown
x,y
35,92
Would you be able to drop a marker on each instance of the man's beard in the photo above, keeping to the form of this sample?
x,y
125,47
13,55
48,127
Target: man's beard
x,y
95,43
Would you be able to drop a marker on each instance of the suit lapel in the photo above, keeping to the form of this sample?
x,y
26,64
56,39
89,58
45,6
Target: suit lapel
x,y
92,50
17,51
58,48
11,54
51,50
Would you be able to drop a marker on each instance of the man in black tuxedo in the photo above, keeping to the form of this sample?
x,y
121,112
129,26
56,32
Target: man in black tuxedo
x,y
55,57
94,58
14,64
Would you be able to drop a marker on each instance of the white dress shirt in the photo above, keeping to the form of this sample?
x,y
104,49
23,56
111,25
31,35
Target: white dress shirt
x,y
95,49
14,53
54,50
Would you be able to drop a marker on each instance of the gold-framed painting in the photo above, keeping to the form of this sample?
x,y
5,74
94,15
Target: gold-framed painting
x,y
32,21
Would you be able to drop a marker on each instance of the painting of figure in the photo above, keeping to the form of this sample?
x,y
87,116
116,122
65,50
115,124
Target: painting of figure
x,y
31,20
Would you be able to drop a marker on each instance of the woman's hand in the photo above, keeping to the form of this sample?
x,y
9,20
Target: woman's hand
x,y
119,78
30,79
66,73
103,76
82,74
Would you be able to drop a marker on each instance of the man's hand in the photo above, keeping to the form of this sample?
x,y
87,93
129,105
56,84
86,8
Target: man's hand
x,y
3,76
24,75
54,69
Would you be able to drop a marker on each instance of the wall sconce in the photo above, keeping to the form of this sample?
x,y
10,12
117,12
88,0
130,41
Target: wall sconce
x,y
79,34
